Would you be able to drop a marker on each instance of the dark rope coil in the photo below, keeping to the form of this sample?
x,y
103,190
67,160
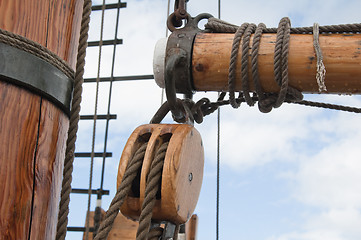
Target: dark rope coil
x,y
269,101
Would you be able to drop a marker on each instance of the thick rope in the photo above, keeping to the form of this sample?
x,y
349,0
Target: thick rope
x,y
244,66
321,70
155,233
266,103
281,59
133,168
217,25
233,65
151,189
36,49
254,60
73,127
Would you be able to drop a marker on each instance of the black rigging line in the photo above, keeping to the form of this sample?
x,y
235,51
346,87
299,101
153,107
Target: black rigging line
x,y
218,148
110,96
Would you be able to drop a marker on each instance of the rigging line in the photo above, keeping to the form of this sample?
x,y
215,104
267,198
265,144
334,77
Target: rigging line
x,y
95,120
166,35
218,170
218,148
110,95
99,196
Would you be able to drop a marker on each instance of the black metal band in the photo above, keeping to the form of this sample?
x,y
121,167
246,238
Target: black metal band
x,y
180,42
24,69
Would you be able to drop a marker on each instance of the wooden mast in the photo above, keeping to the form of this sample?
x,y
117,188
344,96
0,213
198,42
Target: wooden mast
x,y
33,130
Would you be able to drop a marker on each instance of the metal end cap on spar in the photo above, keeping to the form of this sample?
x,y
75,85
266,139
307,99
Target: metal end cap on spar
x,y
159,61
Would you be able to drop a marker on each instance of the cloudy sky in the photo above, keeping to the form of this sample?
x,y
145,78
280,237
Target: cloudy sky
x,y
292,174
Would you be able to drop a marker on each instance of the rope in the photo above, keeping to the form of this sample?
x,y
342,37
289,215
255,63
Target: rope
x,y
36,49
254,61
99,196
233,65
244,66
73,125
218,150
204,106
218,170
130,174
321,70
94,122
151,189
155,233
220,26
266,103
329,106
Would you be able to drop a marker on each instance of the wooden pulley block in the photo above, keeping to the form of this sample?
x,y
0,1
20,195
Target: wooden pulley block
x,y
182,171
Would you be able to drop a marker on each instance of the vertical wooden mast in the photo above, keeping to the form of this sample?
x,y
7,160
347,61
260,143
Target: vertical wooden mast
x,y
33,130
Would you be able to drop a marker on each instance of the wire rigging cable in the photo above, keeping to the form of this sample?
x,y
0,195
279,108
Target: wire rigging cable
x,y
218,150
95,121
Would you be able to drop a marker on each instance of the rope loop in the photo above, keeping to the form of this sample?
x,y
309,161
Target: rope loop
x,y
268,101
265,101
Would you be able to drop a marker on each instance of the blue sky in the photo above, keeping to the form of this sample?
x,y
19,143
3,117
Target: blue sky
x,y
292,174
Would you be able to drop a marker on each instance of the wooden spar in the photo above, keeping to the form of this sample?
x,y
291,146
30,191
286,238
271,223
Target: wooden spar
x,y
33,130
341,56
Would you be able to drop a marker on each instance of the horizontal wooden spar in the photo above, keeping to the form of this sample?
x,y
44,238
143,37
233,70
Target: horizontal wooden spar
x,y
341,57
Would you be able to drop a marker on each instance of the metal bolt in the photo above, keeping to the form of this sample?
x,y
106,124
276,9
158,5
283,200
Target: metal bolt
x,y
190,177
182,11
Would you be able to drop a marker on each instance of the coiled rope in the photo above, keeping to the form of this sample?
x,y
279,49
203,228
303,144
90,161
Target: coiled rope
x,y
267,101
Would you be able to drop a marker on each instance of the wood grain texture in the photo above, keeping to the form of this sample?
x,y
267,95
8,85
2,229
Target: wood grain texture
x,y
33,131
48,171
191,228
180,192
54,24
184,157
64,28
19,111
123,228
27,18
341,54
